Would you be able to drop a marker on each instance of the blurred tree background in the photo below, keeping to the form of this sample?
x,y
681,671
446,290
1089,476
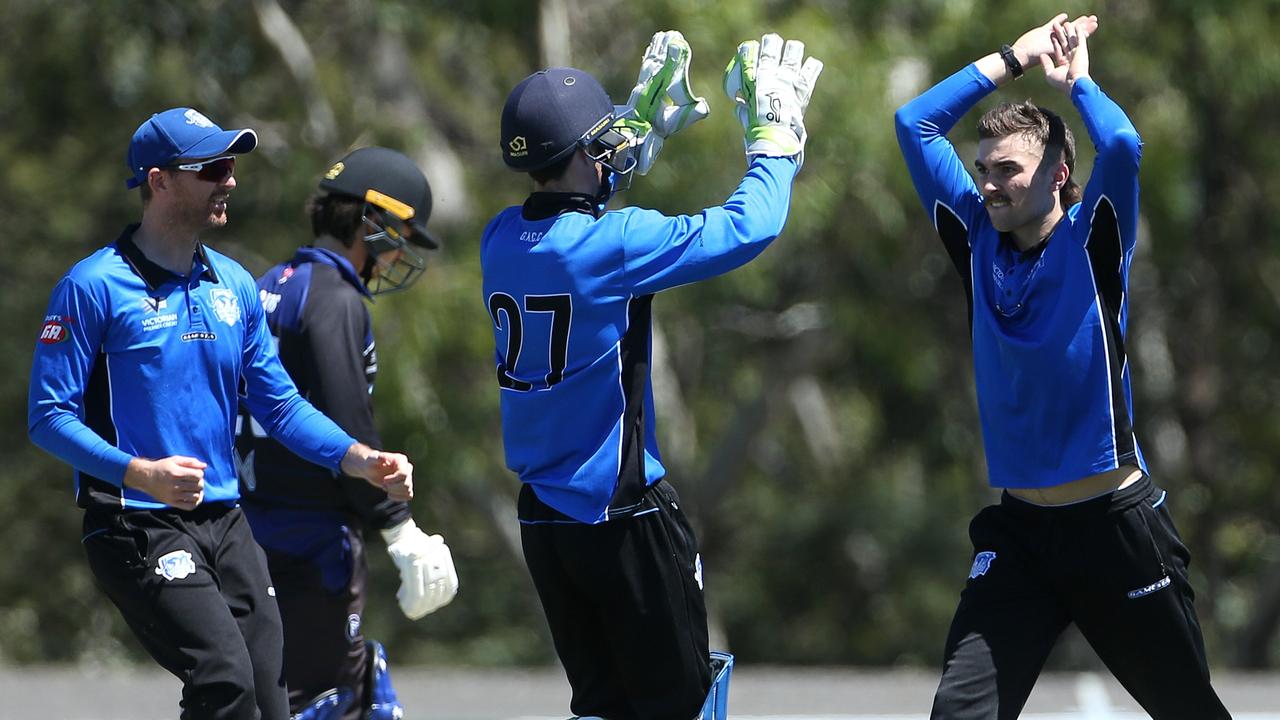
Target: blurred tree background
x,y
816,408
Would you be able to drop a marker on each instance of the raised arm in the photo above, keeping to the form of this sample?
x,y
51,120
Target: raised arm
x,y
1110,202
663,252
939,175
770,82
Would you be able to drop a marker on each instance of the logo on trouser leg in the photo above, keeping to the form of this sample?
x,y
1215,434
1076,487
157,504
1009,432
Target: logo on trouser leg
x,y
175,565
1160,584
353,626
981,563
697,570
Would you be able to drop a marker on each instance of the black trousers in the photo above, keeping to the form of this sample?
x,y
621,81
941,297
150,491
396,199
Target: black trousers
x,y
193,587
1114,566
318,564
625,605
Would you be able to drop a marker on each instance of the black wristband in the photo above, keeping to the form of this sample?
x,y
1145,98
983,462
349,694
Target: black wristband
x,y
1011,61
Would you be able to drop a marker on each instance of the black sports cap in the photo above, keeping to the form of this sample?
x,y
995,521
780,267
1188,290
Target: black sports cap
x,y
548,113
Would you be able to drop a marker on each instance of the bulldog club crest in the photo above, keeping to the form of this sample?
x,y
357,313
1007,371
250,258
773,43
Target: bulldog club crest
x,y
981,563
175,565
225,306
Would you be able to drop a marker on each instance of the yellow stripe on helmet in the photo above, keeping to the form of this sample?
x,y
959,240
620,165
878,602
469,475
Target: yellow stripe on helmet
x,y
390,204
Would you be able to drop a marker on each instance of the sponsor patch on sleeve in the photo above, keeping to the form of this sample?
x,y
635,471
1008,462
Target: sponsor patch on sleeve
x,y
54,329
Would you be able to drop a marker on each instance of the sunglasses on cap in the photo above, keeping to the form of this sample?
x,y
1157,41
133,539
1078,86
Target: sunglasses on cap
x,y
214,170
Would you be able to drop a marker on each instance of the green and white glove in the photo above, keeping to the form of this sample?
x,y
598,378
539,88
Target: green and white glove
x,y
772,90
661,103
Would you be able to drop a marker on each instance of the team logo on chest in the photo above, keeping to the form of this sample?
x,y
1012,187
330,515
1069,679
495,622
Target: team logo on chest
x,y
225,306
175,565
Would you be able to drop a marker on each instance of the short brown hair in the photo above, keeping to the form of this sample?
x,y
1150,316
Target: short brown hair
x,y
1042,125
554,171
337,216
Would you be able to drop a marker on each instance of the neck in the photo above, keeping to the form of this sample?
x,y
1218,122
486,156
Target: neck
x,y
355,253
581,176
1030,235
563,185
166,243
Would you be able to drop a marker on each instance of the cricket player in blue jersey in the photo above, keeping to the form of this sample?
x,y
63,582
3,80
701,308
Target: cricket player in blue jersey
x,y
570,288
134,383
1081,533
369,220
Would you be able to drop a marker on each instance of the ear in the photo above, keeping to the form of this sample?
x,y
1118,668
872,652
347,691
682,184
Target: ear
x,y
158,180
1061,175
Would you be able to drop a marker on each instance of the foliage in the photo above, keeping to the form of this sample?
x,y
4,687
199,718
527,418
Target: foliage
x,y
816,407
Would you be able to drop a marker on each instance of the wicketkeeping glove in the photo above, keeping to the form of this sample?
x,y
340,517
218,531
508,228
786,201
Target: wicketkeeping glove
x,y
772,90
662,103
428,580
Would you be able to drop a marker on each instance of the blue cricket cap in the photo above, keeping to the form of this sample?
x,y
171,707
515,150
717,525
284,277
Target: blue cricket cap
x,y
182,134
547,113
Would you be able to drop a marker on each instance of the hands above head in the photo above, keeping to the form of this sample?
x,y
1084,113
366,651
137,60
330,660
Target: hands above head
x,y
661,103
772,91
1069,60
1060,48
392,472
176,481
428,579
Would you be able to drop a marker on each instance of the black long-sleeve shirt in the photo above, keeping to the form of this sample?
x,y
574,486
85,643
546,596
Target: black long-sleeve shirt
x,y
316,311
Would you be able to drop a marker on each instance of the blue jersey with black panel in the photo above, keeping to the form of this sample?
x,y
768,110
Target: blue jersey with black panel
x,y
1048,326
135,361
569,295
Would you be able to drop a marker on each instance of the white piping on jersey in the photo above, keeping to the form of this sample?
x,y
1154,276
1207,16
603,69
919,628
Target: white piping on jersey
x,y
622,393
954,214
973,275
1102,327
111,412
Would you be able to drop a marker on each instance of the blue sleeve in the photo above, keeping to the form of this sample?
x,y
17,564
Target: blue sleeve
x,y
1113,184
275,403
936,169
69,342
661,252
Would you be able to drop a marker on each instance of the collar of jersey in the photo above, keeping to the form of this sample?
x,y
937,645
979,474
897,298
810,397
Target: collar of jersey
x,y
308,254
543,205
1006,239
151,273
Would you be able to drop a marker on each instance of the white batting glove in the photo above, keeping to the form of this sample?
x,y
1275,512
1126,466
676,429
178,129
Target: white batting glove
x,y
428,580
661,103
772,90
